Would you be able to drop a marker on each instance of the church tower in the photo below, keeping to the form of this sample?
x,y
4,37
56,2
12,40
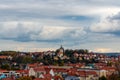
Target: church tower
x,y
61,52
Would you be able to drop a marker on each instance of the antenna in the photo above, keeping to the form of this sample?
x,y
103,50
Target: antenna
x,y
61,43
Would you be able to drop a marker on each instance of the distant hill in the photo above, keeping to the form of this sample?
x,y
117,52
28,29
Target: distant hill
x,y
111,54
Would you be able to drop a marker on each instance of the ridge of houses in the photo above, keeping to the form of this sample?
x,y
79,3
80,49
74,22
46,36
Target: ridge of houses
x,y
41,72
69,71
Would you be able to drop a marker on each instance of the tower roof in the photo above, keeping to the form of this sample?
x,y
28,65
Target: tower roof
x,y
61,47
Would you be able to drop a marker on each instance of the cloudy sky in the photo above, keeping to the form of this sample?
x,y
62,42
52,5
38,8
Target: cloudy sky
x,y
37,25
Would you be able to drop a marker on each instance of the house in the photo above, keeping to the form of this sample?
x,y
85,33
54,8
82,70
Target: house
x,y
37,71
72,78
3,57
2,71
109,70
22,72
32,72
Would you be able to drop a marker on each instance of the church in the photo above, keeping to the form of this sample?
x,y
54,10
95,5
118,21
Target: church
x,y
60,52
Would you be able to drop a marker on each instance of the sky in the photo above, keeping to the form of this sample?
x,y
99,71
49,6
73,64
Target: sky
x,y
38,25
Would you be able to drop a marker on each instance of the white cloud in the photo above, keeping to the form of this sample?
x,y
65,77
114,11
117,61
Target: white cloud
x,y
27,46
43,21
29,31
52,8
107,25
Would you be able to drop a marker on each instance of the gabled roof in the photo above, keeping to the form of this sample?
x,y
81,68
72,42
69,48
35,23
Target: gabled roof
x,y
7,79
82,73
3,57
39,69
1,70
22,71
109,68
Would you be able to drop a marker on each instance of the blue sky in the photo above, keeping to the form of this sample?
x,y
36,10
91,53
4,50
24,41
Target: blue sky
x,y
37,25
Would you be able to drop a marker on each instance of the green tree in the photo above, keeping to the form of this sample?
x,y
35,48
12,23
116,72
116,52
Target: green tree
x,y
5,66
61,63
27,59
114,77
23,59
69,52
9,53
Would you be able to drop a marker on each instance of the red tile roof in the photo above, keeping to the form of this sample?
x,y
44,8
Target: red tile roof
x,y
1,70
108,68
39,69
82,73
47,77
7,79
3,57
22,71
39,79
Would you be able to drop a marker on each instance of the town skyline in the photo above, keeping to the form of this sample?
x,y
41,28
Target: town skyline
x,y
40,25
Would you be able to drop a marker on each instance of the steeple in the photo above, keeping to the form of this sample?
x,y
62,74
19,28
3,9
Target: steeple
x,y
61,47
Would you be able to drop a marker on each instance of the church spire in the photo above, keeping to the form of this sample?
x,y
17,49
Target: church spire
x,y
61,47
61,51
